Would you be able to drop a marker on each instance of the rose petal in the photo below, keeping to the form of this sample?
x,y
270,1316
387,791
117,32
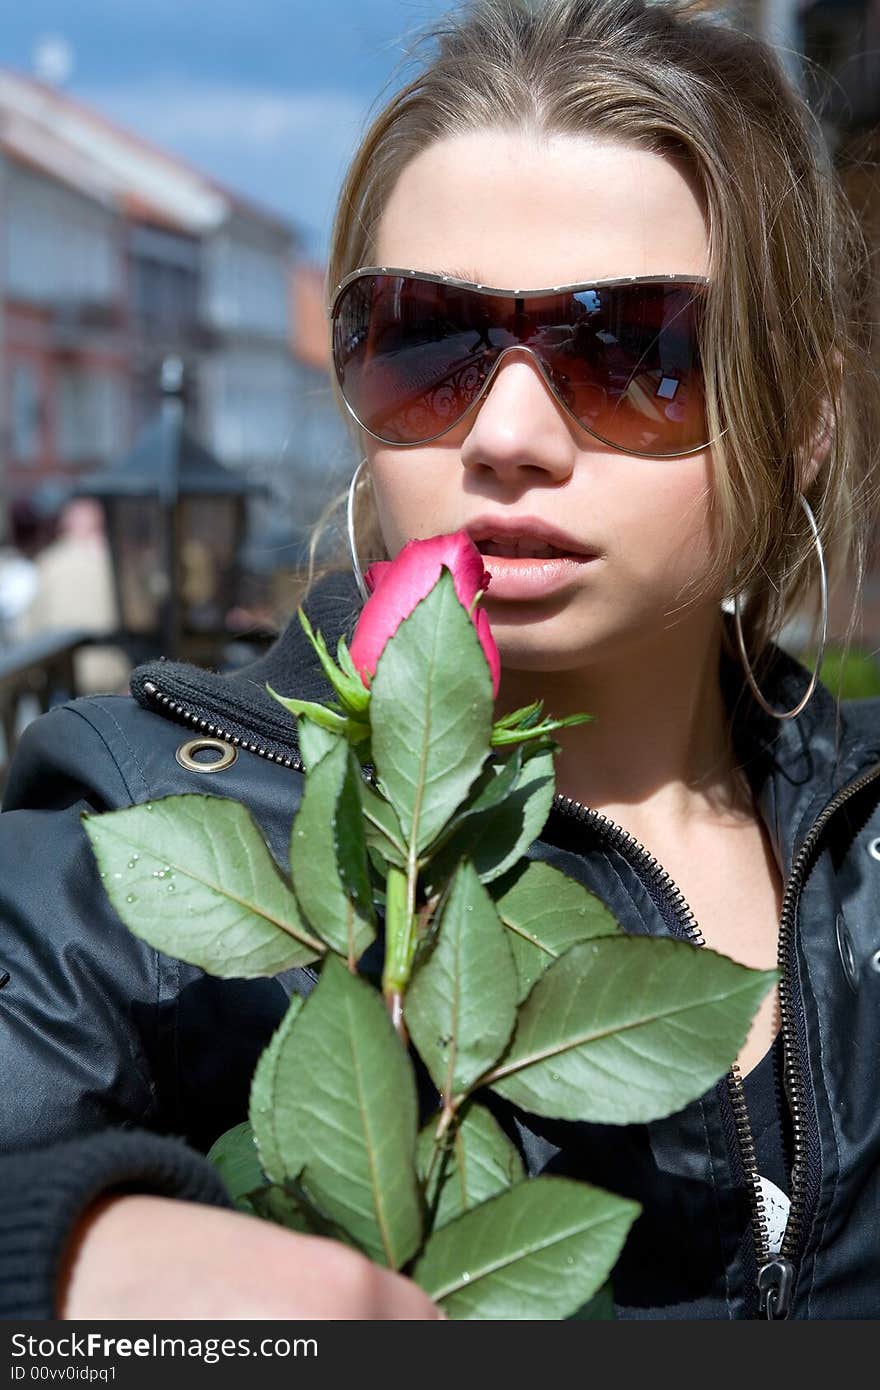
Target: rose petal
x,y
398,585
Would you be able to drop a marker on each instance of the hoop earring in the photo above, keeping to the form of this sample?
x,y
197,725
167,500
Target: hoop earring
x,y
791,713
352,543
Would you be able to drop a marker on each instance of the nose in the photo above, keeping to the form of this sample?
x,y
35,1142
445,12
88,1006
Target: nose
x,y
519,430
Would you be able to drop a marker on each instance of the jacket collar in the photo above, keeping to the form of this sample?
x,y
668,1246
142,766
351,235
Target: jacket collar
x,y
794,766
236,703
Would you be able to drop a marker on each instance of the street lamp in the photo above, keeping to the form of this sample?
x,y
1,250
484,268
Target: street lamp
x,y
176,521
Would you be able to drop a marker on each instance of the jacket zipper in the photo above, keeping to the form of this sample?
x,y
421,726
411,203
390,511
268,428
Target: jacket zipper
x,y
178,711
776,1271
776,1274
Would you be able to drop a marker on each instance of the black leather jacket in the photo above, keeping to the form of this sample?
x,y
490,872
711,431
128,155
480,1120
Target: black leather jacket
x,y
102,1033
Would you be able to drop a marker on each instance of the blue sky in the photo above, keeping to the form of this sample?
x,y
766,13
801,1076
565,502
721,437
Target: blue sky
x,y
267,95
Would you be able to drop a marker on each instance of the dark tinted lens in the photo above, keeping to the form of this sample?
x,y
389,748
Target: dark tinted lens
x,y
627,363
410,355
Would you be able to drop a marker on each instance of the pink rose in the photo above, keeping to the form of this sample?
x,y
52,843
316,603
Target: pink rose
x,y
397,585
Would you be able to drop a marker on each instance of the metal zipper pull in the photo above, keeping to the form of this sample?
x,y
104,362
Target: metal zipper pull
x,y
775,1283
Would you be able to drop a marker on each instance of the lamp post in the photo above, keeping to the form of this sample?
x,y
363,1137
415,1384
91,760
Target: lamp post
x,y
175,520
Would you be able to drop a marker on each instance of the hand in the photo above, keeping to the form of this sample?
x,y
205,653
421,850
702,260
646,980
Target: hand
x,y
158,1258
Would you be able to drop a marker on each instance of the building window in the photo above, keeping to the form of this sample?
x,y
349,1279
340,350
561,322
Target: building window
x,y
91,416
26,413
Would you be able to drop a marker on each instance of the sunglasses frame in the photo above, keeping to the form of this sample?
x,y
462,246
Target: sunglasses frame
x,y
363,271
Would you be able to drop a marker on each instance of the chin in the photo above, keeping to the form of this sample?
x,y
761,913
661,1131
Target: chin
x,y
533,639
518,653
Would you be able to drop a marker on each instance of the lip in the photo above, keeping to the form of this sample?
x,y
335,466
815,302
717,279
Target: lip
x,y
533,527
536,577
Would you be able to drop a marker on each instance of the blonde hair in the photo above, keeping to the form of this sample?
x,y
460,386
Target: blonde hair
x,y
785,340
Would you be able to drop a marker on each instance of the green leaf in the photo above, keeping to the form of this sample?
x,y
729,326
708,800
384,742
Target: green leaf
x,y
622,1030
273,1203
460,1007
538,1251
476,1161
314,741
291,1207
495,840
234,1155
344,1100
328,855
495,782
382,828
545,912
599,1309
431,713
191,875
352,692
263,1098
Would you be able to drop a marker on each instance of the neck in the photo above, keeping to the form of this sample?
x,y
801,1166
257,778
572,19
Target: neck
x,y
658,749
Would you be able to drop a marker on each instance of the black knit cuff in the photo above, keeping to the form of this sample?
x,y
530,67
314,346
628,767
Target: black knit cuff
x,y
44,1192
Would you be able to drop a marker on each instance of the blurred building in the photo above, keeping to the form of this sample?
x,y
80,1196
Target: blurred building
x,y
114,254
841,40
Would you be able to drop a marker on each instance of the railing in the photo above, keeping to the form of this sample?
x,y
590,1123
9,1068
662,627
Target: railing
x,y
39,669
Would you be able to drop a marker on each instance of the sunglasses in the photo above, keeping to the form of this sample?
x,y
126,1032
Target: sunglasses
x,y
414,352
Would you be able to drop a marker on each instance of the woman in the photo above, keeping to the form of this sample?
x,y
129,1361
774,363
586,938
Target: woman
x,y
687,422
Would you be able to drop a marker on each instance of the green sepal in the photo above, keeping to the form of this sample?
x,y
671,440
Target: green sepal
x,y
348,685
354,730
520,718
523,734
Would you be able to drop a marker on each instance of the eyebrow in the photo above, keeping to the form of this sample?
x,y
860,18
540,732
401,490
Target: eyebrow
x,y
457,274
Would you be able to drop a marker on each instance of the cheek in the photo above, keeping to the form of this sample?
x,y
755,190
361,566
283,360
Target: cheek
x,y
668,521
411,500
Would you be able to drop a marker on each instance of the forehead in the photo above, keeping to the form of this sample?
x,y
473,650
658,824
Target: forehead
x,y
510,209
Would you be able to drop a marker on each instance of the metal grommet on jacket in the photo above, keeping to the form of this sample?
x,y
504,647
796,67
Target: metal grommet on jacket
x,y
185,754
847,955
874,848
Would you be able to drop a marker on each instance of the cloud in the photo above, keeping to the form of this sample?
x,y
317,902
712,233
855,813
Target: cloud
x,y
286,149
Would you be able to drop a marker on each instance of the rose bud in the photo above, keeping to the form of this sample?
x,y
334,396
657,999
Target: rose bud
x,y
397,585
